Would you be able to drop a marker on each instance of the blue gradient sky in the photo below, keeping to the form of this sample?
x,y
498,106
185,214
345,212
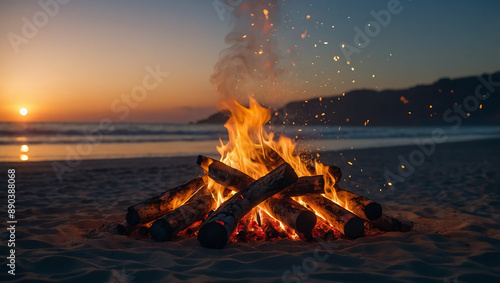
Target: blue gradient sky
x,y
91,52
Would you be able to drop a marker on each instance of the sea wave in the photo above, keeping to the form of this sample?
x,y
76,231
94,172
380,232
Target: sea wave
x,y
71,133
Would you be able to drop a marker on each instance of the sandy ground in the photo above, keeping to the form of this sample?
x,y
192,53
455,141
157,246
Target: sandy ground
x,y
453,197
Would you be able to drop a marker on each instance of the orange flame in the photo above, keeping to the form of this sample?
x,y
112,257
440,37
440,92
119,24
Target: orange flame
x,y
251,147
249,66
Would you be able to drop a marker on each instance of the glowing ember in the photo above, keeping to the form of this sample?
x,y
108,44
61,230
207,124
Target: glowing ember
x,y
266,13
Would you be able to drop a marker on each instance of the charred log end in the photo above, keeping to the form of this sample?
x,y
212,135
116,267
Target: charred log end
x,y
133,217
373,211
213,235
354,228
199,161
306,222
161,230
202,161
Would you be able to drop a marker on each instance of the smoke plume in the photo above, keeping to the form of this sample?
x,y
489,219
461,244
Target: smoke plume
x,y
249,66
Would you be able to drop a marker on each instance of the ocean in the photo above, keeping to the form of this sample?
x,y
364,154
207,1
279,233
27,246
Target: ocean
x,y
27,142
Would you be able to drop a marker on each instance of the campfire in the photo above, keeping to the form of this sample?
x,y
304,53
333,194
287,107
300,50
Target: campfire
x,y
260,189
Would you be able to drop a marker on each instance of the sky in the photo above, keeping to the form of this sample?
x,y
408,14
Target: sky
x,y
151,60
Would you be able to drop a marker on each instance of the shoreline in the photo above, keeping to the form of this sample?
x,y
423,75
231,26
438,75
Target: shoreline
x,y
181,150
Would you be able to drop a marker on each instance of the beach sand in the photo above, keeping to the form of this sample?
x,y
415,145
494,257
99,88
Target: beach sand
x,y
453,198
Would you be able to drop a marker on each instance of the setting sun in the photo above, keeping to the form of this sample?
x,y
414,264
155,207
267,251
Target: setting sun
x,y
23,111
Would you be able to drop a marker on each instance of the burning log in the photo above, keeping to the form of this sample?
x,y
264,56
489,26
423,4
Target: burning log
x,y
291,213
223,174
236,180
193,228
346,222
269,229
305,185
217,229
388,224
158,206
335,172
283,208
359,205
270,158
184,216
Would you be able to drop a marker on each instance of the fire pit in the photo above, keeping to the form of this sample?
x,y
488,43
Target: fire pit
x,y
261,188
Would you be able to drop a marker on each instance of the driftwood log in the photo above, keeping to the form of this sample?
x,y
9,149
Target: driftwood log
x,y
195,209
305,185
281,207
223,174
236,180
346,222
217,229
269,157
121,228
291,213
387,223
359,205
158,206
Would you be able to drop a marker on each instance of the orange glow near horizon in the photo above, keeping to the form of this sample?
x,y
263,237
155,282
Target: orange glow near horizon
x,y
23,111
78,70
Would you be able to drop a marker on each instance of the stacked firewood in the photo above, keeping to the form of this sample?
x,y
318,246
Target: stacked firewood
x,y
176,210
